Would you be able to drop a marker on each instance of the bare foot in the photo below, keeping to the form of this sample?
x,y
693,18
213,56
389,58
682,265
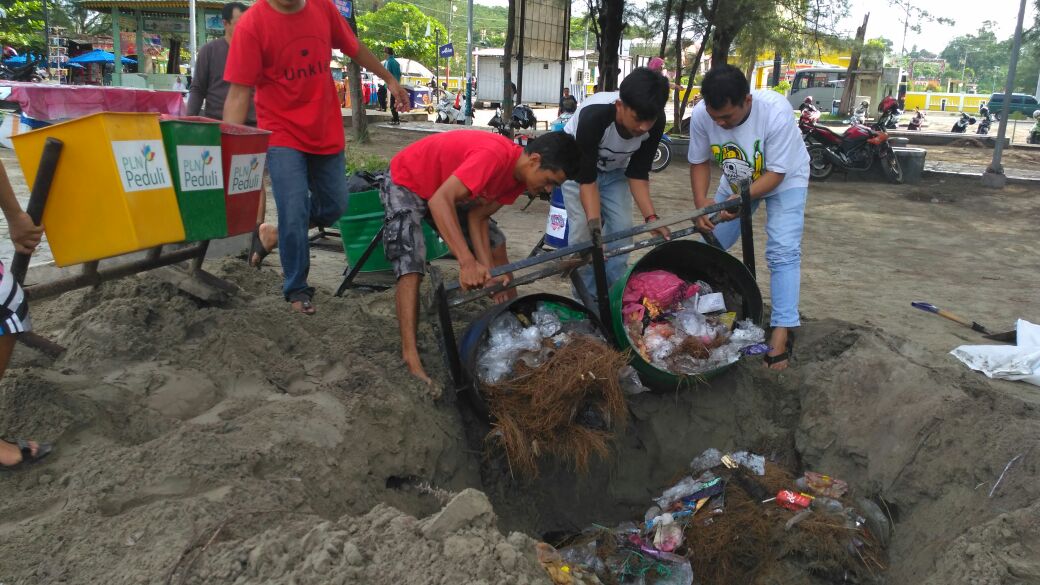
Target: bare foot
x,y
778,343
268,240
11,455
415,366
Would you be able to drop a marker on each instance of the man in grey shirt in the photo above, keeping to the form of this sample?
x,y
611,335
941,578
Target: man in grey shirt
x,y
207,83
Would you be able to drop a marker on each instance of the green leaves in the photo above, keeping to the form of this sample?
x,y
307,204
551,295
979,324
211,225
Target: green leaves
x,y
402,27
22,26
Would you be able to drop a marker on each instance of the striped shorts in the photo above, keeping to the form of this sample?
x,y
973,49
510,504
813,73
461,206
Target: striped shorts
x,y
14,309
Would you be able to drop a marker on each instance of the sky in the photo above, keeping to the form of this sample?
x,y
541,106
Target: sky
x,y
885,20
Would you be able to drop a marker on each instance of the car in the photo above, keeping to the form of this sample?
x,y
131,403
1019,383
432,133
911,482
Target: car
x,y
1022,103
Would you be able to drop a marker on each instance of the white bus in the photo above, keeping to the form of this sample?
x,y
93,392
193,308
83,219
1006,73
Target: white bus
x,y
824,84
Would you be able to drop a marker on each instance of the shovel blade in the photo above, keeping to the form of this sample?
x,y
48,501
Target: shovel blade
x,y
1006,336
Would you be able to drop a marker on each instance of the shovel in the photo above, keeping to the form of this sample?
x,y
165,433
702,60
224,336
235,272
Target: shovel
x,y
1006,336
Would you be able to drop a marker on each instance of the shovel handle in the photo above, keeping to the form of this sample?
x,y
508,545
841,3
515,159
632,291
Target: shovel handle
x,y
948,315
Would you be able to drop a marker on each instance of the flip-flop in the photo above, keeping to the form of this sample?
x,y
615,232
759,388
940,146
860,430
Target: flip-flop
x,y
42,450
306,306
772,360
256,248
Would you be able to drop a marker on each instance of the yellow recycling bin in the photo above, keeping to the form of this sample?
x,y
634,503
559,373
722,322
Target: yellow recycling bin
x,y
112,191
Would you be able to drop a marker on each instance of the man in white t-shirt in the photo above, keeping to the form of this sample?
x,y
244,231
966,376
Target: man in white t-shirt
x,y
754,136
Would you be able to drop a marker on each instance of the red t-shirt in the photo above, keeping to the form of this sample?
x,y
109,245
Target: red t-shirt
x,y
483,161
286,58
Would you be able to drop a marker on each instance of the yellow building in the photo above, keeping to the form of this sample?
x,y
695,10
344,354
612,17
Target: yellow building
x,y
945,102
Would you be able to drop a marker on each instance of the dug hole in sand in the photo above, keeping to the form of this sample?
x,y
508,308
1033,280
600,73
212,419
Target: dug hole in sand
x,y
241,444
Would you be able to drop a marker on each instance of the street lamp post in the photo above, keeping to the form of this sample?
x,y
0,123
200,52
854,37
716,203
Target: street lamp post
x,y
994,176
964,67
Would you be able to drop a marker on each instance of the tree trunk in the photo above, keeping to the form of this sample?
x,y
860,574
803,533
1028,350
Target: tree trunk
x,y
664,34
679,22
777,63
507,65
611,25
720,44
358,119
709,18
849,93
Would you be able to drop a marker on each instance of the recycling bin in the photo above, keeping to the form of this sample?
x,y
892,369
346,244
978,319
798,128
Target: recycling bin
x,y
244,154
193,150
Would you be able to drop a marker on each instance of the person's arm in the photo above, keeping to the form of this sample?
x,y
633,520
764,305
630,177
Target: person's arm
x,y
199,82
592,123
479,218
24,233
236,105
472,273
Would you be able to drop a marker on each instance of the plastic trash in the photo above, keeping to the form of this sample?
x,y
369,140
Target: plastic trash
x,y
753,463
876,520
827,505
710,303
668,535
659,287
711,457
684,488
802,515
630,382
547,322
822,485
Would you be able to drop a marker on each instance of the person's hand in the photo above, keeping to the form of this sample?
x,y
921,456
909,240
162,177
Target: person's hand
x,y
503,295
473,274
730,214
662,231
595,226
25,234
404,101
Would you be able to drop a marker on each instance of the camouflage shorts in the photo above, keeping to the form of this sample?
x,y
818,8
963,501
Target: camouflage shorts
x,y
403,240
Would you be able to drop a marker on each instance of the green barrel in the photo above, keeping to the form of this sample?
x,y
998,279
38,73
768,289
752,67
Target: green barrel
x,y
361,222
193,150
691,261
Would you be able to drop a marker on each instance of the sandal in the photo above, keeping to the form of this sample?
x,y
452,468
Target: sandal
x,y
306,306
42,450
257,249
772,360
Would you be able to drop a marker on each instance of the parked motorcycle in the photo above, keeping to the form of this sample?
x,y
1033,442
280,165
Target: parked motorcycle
x,y
961,125
987,121
1034,134
859,115
854,150
889,112
917,121
447,110
523,118
28,72
663,155
807,121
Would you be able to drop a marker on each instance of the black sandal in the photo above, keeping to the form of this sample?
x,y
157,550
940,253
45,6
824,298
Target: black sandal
x,y
772,360
256,248
42,450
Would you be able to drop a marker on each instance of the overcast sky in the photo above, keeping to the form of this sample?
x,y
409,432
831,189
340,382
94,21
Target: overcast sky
x,y
884,19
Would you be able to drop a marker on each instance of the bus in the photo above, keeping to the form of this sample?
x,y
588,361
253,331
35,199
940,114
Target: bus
x,y
823,84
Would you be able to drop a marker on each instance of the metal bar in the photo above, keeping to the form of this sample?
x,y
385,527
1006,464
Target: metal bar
x,y
586,245
451,348
154,253
348,280
599,274
747,239
539,247
196,263
461,298
57,287
38,198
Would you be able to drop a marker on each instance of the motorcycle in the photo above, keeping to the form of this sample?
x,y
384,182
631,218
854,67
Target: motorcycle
x,y
28,72
859,116
854,150
1034,133
987,121
448,111
663,155
523,118
807,121
917,121
961,125
889,114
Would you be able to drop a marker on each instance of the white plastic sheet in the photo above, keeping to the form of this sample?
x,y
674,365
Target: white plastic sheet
x,y
1007,362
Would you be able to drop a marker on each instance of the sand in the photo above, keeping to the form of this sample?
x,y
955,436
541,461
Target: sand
x,y
240,443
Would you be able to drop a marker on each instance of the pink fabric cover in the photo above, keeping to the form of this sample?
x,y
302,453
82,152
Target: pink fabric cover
x,y
62,102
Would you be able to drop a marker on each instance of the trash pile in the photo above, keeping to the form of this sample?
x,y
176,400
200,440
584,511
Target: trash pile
x,y
733,519
553,385
685,327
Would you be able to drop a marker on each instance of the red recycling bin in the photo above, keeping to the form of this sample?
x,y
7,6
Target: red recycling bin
x,y
244,154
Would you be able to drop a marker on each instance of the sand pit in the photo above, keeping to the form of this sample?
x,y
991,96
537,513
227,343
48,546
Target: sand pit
x,y
242,444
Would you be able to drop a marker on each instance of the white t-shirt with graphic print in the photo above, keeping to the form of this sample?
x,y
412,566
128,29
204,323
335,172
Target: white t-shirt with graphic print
x,y
769,140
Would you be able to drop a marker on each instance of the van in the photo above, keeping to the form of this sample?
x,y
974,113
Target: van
x,y
822,84
1022,103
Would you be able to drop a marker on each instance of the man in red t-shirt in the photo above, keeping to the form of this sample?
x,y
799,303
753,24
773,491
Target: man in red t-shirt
x,y
283,49
461,174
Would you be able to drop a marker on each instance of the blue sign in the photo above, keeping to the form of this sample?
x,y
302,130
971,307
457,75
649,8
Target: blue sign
x,y
446,51
345,7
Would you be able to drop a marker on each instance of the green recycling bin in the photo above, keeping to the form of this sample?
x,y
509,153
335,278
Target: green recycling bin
x,y
361,223
193,149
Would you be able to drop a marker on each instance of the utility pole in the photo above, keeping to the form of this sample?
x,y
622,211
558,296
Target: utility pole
x,y
994,176
964,67
192,38
585,60
469,63
47,41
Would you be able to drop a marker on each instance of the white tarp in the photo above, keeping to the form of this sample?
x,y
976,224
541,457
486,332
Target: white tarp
x,y
1007,362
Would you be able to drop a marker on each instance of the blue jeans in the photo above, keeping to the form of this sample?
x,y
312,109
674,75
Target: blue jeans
x,y
309,189
615,200
785,219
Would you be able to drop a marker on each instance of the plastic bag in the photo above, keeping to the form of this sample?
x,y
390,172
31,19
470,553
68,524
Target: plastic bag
x,y
547,322
660,287
630,382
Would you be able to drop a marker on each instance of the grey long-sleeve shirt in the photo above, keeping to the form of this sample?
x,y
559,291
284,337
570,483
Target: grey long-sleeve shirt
x,y
208,85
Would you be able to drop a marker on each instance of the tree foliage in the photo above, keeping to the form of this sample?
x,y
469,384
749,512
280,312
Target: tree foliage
x,y
22,24
402,26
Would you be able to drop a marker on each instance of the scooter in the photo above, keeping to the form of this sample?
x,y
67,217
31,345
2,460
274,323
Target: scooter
x,y
859,116
961,125
917,121
663,155
1034,134
28,72
987,121
447,111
